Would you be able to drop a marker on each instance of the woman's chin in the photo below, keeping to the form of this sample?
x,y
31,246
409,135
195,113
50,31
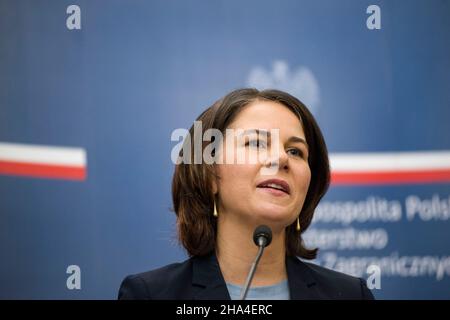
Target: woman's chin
x,y
274,214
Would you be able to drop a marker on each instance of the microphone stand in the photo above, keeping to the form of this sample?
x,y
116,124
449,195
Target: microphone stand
x,y
261,244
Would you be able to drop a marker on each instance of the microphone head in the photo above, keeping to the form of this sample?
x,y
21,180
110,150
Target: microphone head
x,y
262,236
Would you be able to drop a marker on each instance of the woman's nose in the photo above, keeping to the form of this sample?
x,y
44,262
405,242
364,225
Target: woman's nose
x,y
280,160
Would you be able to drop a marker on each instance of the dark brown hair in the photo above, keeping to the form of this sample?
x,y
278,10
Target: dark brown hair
x,y
192,193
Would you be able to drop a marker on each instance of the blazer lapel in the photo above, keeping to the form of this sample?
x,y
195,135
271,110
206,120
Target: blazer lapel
x,y
302,285
207,280
209,284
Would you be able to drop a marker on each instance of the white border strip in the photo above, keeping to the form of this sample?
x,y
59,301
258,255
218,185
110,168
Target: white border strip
x,y
396,161
26,153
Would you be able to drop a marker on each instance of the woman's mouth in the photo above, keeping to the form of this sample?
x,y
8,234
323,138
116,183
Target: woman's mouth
x,y
276,187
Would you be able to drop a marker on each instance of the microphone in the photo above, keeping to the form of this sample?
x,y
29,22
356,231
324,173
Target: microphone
x,y
262,237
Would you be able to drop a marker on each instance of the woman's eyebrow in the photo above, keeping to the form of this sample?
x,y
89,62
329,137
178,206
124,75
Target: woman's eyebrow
x,y
258,131
293,139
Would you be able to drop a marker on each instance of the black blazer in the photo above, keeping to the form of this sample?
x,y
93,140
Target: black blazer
x,y
200,278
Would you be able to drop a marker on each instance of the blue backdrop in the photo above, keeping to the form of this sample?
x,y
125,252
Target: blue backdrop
x,y
131,72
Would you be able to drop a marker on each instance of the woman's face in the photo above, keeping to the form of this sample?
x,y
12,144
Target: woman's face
x,y
243,189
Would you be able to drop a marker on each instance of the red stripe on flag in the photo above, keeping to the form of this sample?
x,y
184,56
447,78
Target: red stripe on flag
x,y
398,177
40,170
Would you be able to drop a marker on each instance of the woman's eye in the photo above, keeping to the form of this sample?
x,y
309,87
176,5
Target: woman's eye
x,y
256,143
296,152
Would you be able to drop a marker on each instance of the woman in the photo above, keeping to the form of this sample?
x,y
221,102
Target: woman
x,y
219,205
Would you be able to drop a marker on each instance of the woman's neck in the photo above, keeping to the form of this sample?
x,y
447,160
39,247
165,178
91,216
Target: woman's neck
x,y
236,252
